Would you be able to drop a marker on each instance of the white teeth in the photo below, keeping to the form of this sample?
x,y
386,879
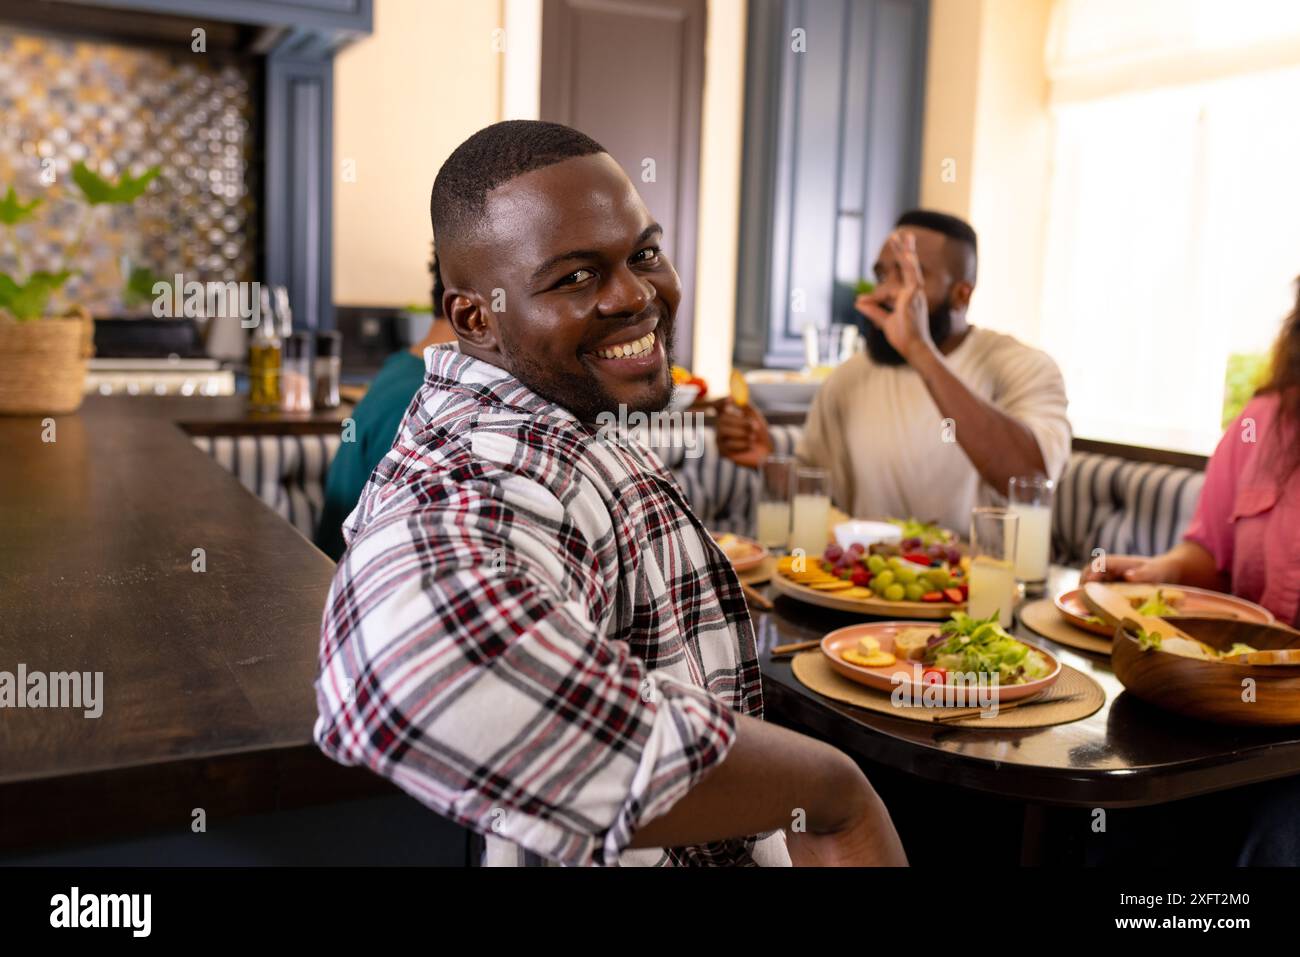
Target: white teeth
x,y
628,348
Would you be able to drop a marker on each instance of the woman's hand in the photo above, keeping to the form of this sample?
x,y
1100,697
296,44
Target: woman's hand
x,y
1133,568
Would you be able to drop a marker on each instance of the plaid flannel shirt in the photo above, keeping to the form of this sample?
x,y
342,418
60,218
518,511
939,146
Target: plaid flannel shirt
x,y
531,632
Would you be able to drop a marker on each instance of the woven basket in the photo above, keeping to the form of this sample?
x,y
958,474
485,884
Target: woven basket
x,y
43,363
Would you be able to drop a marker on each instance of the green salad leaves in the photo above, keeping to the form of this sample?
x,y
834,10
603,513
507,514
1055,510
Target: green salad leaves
x,y
969,644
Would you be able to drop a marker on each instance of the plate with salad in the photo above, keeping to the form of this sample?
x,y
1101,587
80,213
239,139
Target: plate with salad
x,y
1162,601
885,654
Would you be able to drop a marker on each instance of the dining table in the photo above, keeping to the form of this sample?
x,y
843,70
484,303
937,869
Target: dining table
x,y
1127,754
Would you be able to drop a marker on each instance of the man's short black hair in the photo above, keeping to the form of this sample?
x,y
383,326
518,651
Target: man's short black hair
x,y
959,232
495,155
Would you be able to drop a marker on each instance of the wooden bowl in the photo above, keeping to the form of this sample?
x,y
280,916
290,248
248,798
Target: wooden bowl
x,y
1213,690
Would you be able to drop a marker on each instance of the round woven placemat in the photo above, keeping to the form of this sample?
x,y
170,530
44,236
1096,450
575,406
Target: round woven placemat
x,y
1083,697
760,573
1042,617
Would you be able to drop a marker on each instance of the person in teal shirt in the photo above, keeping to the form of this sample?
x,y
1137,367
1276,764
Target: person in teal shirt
x,y
377,417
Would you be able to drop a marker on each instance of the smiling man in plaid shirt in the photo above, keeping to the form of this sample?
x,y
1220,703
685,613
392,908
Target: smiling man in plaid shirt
x,y
530,632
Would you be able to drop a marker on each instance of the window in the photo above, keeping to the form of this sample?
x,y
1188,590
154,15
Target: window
x,y
1171,237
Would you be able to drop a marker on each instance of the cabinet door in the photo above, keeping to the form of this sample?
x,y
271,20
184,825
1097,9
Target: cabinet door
x,y
834,103
630,74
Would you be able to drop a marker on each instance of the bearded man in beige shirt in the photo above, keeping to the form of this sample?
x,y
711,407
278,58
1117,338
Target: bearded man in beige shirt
x,y
937,415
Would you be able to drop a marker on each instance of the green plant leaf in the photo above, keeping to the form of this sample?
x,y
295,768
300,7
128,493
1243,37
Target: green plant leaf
x,y
98,190
139,286
13,211
26,301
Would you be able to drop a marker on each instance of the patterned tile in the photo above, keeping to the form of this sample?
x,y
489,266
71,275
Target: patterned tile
x,y
124,108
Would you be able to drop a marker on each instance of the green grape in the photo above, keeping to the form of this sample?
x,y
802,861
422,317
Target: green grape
x,y
882,580
876,564
895,562
938,579
895,593
906,575
914,592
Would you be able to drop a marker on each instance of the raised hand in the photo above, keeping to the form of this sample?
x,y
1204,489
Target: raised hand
x,y
907,325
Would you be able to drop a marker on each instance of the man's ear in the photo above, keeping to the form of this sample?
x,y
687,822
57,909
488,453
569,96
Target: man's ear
x,y
960,297
470,318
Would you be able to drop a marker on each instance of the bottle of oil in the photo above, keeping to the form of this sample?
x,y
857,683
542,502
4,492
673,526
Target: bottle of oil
x,y
265,359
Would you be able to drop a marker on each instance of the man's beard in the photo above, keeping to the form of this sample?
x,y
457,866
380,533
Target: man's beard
x,y
586,397
882,353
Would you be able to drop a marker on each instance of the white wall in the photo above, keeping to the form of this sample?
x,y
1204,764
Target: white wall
x,y
721,151
404,98
986,119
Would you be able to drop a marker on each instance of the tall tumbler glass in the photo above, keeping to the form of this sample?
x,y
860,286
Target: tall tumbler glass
x,y
775,493
993,564
1030,497
811,514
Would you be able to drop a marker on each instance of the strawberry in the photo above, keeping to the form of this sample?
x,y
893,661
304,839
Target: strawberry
x,y
954,595
932,596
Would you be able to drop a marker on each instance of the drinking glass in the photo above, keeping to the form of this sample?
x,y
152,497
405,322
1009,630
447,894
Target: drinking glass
x,y
827,347
992,581
1030,497
776,490
811,512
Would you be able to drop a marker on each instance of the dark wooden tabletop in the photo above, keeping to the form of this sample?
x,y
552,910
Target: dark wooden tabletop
x,y
1127,754
216,415
207,676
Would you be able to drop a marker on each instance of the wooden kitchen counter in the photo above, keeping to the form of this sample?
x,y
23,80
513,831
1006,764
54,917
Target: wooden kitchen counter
x,y
207,676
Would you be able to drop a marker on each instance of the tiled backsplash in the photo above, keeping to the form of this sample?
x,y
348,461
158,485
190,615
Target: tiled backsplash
x,y
117,108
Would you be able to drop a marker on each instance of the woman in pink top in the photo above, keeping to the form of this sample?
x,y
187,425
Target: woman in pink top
x,y
1245,536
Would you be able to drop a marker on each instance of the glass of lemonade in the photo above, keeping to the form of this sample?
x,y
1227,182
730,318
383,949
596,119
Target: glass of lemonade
x,y
811,514
993,534
776,490
1030,497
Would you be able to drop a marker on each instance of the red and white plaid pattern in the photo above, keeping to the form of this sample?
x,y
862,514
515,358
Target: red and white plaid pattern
x,y
530,632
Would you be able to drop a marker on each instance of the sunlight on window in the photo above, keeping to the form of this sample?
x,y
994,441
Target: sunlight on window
x,y
1171,243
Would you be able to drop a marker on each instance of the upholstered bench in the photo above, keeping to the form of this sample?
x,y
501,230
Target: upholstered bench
x,y
1121,506
1103,501
287,472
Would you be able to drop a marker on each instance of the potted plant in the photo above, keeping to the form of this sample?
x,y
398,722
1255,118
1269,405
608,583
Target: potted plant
x,y
43,351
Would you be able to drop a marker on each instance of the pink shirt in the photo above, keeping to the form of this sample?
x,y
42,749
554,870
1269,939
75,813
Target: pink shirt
x,y
1246,518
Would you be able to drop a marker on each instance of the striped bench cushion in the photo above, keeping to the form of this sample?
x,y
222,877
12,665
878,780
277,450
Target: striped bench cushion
x,y
1102,501
1122,506
287,472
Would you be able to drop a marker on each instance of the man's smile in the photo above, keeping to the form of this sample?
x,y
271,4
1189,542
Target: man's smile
x,y
627,348
634,353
